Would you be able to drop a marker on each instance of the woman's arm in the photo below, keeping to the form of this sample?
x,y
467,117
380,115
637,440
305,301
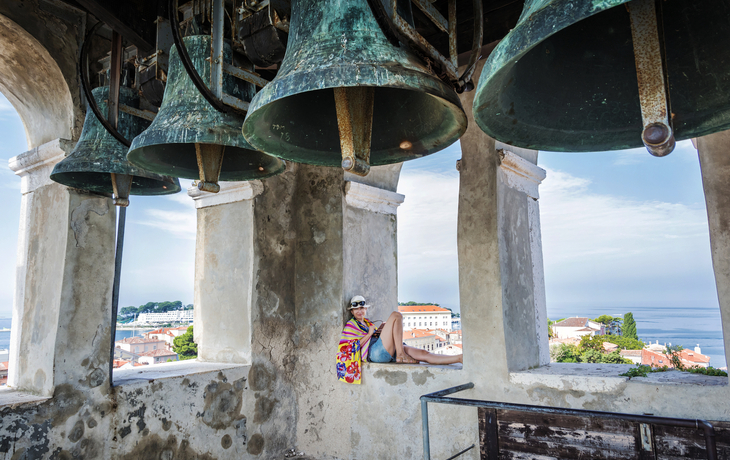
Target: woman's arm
x,y
368,335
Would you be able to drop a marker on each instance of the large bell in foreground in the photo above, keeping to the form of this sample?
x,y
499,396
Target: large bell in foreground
x,y
565,78
98,155
187,127
343,87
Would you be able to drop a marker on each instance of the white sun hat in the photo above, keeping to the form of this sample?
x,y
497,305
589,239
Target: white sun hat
x,y
357,302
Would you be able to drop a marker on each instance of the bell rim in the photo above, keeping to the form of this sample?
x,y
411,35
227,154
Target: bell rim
x,y
136,157
173,186
508,52
439,91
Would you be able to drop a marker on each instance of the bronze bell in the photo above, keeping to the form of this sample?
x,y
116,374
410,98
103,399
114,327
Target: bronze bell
x,y
98,163
345,96
191,139
589,76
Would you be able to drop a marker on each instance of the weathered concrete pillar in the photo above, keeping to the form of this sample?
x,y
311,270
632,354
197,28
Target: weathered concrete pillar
x,y
714,151
500,258
224,260
65,268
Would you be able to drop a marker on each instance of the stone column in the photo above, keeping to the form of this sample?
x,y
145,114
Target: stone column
x,y
523,278
715,165
224,263
500,258
370,244
65,268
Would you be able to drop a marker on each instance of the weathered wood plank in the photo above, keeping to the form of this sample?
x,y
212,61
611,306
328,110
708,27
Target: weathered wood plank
x,y
488,438
676,442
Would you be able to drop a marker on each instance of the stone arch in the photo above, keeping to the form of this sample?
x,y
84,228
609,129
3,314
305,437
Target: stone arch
x,y
33,83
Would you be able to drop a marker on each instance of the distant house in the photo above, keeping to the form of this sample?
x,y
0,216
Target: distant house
x,y
577,327
425,317
455,337
174,316
139,345
157,357
167,334
4,373
633,355
420,338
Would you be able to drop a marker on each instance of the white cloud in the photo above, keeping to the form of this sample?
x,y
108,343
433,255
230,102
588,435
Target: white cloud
x,y
427,252
181,224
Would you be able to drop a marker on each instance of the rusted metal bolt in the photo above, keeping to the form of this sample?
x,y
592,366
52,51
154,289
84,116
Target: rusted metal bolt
x,y
655,133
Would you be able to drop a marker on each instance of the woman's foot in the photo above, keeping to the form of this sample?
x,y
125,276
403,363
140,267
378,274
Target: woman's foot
x,y
405,358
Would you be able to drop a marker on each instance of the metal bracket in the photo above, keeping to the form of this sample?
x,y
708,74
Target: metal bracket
x,y
645,430
657,135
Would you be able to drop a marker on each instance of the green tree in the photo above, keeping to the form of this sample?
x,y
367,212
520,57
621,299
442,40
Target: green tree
x,y
624,343
629,329
565,353
184,346
615,358
127,312
594,343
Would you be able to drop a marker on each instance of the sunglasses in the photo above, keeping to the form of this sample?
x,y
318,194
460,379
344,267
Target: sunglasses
x,y
360,303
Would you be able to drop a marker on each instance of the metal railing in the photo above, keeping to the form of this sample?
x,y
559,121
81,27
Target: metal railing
x,y
441,398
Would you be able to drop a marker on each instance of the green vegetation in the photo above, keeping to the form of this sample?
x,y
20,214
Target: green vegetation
x,y
608,320
184,346
629,329
589,350
127,314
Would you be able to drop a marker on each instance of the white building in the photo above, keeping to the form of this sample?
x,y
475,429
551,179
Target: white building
x,y
157,357
176,316
577,327
139,345
425,317
167,334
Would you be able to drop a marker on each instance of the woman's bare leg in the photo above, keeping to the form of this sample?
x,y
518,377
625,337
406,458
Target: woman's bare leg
x,y
432,358
392,337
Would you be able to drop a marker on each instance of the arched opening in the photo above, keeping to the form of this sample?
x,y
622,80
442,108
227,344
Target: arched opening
x,y
428,272
624,232
34,84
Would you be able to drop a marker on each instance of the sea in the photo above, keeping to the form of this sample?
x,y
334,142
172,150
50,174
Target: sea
x,y
678,325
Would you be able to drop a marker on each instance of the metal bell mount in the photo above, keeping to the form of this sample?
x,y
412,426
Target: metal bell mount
x,y
344,96
98,163
189,138
615,74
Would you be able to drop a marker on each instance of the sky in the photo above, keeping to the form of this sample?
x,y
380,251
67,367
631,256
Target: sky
x,y
618,228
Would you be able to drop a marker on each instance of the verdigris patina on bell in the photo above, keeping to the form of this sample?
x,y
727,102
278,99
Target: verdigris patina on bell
x,y
186,122
98,154
313,111
565,78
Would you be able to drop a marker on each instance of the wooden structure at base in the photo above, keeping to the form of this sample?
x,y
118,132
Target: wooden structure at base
x,y
513,434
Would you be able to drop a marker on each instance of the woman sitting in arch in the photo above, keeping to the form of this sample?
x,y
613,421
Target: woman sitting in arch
x,y
356,344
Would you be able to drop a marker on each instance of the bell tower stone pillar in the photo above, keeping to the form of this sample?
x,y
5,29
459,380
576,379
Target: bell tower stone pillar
x,y
501,280
715,165
61,330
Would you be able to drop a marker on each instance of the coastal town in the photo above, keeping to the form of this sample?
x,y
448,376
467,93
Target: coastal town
x,y
428,327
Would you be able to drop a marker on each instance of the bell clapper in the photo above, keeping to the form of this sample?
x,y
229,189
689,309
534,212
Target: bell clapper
x,y
657,135
122,185
355,124
210,160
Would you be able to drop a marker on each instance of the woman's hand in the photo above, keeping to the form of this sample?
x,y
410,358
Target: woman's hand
x,y
372,329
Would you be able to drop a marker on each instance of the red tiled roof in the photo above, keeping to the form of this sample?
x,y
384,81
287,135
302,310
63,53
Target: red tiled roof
x,y
572,322
158,353
4,366
421,308
119,363
417,334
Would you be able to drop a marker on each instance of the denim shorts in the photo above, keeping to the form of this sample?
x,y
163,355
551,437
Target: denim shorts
x,y
378,354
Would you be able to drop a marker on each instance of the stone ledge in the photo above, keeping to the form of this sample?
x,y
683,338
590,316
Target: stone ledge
x,y
11,398
168,370
605,377
441,368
